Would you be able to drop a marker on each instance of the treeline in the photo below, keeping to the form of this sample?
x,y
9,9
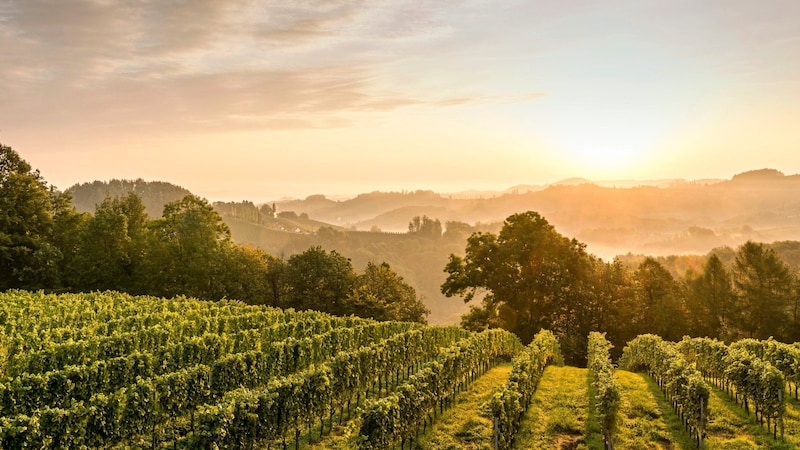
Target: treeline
x,y
419,254
154,194
528,277
45,243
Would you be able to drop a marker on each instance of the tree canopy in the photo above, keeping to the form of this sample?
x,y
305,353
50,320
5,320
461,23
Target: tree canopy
x,y
529,276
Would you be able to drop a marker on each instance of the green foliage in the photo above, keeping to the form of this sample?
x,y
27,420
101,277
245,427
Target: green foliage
x,y
606,388
105,370
27,258
399,416
533,278
765,287
681,382
381,294
754,379
510,402
112,245
320,280
154,194
713,306
659,300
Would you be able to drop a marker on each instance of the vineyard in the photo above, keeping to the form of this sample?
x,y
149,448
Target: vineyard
x,y
109,370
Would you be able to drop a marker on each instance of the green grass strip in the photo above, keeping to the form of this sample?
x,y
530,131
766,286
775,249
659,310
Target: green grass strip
x,y
646,420
559,414
468,424
729,427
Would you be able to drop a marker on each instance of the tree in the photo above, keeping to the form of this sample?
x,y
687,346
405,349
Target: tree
x,y
657,295
616,302
424,226
382,294
320,281
763,285
27,258
68,233
184,251
247,275
457,231
112,245
532,277
712,303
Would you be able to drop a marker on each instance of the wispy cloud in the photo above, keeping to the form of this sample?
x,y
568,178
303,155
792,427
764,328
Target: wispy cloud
x,y
207,64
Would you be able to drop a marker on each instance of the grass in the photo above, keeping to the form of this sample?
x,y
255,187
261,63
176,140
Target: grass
x,y
558,417
646,420
791,420
467,424
731,428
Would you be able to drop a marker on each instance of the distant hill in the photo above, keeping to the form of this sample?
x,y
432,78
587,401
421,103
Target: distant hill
x,y
667,216
154,194
572,182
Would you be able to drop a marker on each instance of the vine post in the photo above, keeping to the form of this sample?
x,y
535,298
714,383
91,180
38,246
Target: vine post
x,y
496,433
780,399
701,432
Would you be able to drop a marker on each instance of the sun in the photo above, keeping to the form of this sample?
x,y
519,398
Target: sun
x,y
603,143
604,149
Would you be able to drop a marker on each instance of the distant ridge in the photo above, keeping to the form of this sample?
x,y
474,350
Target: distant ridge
x,y
154,194
575,181
761,175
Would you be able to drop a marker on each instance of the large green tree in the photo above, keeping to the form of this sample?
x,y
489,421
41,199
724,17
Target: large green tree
x,y
320,280
711,303
251,275
659,306
185,251
112,246
382,294
28,259
764,285
530,276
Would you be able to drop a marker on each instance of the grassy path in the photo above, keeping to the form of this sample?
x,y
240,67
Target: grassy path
x,y
792,420
646,420
466,425
729,427
559,416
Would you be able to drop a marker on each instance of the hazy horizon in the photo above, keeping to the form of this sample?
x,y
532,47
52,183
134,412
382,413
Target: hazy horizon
x,y
261,100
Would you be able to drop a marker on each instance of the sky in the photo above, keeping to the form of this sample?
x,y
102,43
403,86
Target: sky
x,y
261,99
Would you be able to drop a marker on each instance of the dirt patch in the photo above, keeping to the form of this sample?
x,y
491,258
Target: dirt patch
x,y
567,442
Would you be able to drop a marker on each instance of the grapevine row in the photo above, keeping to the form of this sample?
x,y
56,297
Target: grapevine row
x,y
58,355
785,357
511,401
245,417
681,382
753,379
606,388
399,416
61,388
23,312
140,409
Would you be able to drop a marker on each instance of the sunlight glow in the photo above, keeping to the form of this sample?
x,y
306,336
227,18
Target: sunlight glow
x,y
605,143
606,148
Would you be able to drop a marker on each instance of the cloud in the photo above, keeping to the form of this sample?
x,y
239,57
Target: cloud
x,y
212,64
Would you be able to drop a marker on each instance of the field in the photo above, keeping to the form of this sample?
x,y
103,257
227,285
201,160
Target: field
x,y
108,370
